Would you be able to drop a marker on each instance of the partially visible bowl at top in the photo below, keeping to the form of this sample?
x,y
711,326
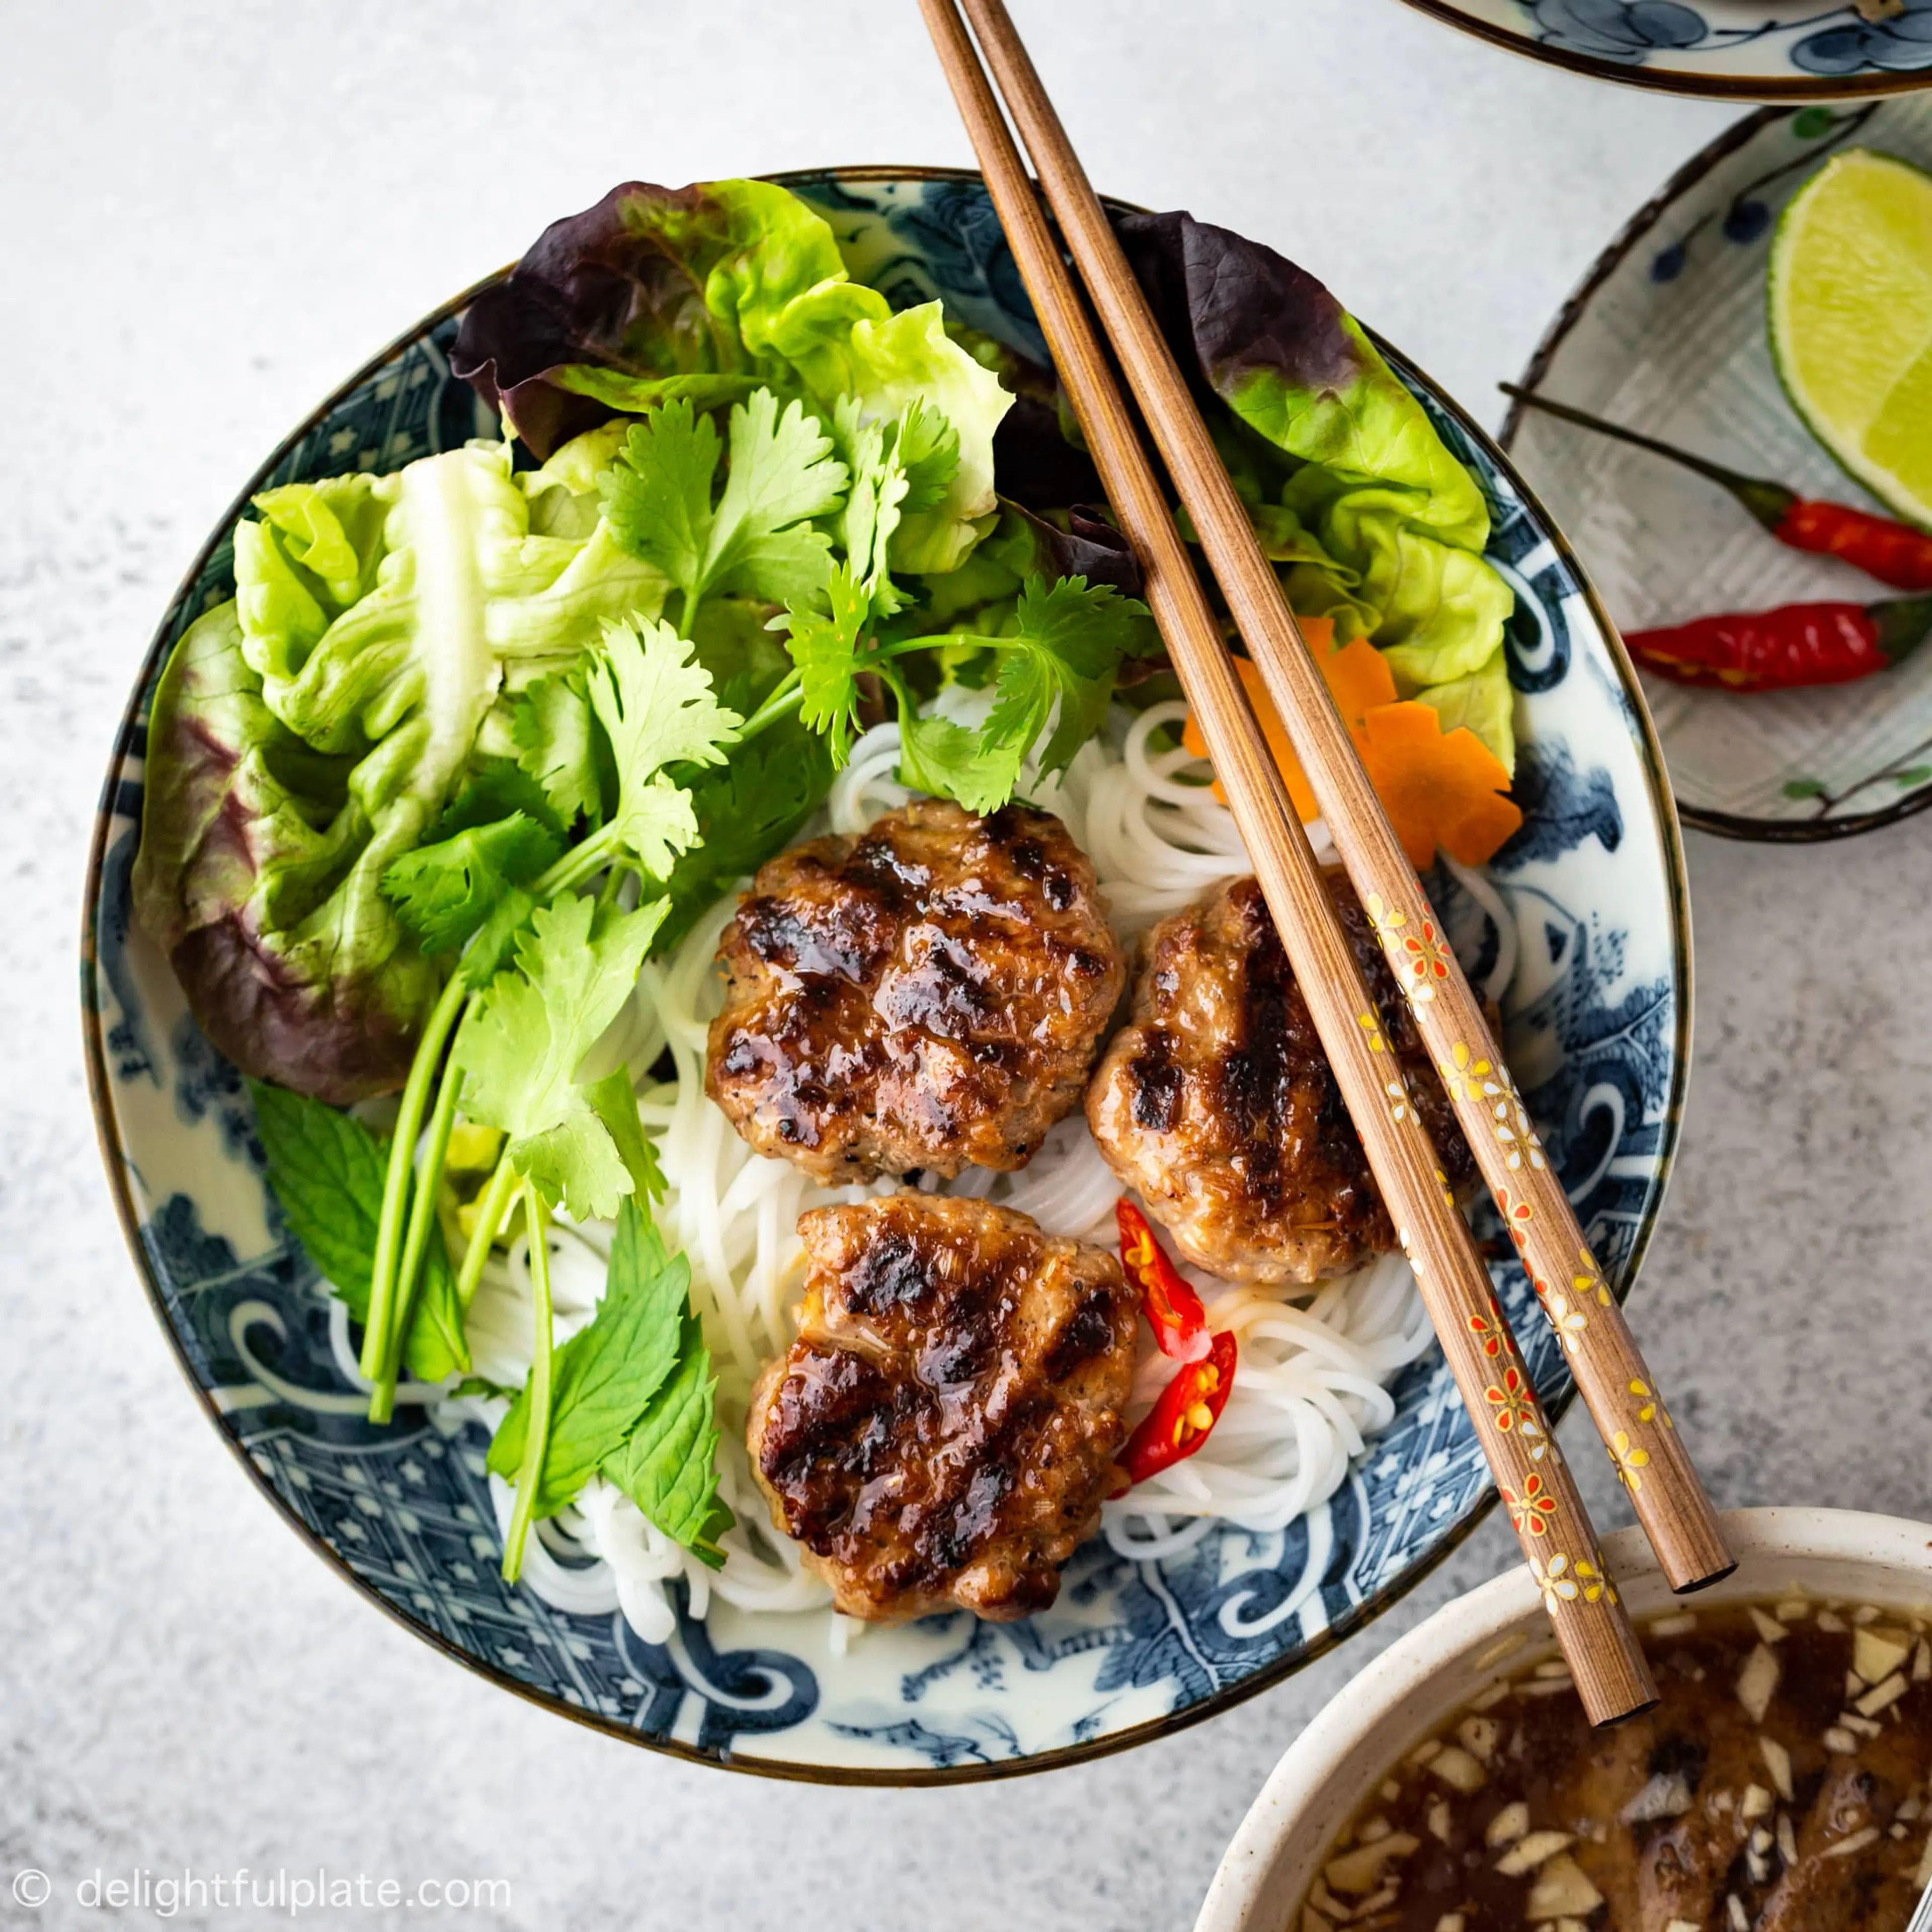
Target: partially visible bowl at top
x,y
1596,1018
1724,50
1501,1630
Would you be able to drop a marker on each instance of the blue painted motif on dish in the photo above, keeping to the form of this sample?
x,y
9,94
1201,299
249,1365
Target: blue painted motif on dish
x,y
1594,1030
1835,41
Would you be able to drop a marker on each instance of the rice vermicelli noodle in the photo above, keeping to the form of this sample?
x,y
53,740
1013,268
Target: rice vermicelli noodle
x,y
1315,1362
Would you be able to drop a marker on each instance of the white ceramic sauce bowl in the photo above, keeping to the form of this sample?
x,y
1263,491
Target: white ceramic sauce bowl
x,y
1498,1631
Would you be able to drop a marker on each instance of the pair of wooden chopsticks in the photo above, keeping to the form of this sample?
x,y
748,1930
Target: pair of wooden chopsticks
x,y
1548,1512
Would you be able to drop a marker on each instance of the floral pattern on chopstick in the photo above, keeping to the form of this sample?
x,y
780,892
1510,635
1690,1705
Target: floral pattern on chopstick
x,y
1562,1581
1631,1461
1419,959
1531,1511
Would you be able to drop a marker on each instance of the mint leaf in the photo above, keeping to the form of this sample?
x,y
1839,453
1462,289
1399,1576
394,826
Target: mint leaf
x,y
655,702
668,1465
605,1376
442,893
326,1170
522,1042
551,730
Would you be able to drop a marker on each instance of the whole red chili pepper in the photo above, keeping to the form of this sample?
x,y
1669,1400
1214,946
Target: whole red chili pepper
x,y
1796,645
1173,1309
1894,553
1189,1407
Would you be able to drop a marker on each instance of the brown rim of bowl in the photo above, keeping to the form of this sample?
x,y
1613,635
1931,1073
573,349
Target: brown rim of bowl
x,y
1703,818
1867,86
107,1133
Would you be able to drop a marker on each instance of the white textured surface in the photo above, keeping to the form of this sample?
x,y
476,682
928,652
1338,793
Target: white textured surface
x,y
210,212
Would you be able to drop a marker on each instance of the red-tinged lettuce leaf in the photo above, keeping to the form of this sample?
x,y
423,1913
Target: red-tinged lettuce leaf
x,y
1378,524
652,284
256,880
655,290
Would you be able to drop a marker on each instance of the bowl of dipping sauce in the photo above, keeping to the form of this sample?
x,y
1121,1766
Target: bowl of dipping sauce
x,y
1780,1785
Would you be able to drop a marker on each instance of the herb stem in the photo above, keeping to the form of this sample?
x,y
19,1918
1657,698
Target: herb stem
x,y
578,864
784,697
536,1440
381,1318
493,1210
415,1245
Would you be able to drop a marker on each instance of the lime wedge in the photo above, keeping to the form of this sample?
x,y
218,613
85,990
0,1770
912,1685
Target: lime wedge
x,y
1850,300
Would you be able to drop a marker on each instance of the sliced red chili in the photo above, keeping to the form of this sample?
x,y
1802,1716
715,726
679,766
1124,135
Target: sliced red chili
x,y
1185,1416
1173,1309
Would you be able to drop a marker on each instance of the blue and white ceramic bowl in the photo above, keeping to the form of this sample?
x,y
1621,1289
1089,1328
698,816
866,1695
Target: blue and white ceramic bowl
x,y
1597,1025
1667,335
1730,50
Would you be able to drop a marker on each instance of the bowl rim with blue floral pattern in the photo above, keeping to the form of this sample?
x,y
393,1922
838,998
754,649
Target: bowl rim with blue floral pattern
x,y
1662,824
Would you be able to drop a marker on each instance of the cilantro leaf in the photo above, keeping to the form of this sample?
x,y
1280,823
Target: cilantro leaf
x,y
825,646
614,1101
752,808
929,453
496,787
1055,678
899,466
947,759
782,474
655,703
523,1041
326,1170
604,1377
657,496
668,1465
443,892
757,540
550,728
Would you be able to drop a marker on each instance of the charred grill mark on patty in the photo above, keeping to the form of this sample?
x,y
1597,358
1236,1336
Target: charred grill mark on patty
x,y
1218,1105
940,1433
929,995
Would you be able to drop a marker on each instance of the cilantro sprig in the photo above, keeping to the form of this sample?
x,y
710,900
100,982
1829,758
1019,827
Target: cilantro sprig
x,y
619,793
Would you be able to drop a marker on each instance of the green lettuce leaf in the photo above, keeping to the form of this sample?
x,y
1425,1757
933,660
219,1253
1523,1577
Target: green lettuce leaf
x,y
728,278
1485,702
306,737
1381,525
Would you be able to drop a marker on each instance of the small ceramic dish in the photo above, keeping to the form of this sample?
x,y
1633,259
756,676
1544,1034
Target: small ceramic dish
x,y
1724,50
1500,1630
1596,1023
1666,334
